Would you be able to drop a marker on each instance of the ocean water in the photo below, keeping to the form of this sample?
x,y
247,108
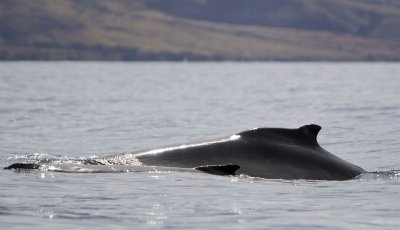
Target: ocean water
x,y
69,111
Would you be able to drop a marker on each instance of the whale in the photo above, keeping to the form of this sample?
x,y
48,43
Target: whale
x,y
271,153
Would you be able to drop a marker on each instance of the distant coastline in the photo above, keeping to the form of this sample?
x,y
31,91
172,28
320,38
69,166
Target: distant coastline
x,y
77,52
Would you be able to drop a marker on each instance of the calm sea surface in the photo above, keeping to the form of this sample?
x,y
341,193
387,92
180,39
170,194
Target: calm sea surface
x,y
76,110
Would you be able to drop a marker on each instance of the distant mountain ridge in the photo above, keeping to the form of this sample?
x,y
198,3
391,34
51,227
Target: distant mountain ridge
x,y
295,30
339,16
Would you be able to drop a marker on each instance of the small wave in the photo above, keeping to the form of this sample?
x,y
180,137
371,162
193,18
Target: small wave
x,y
125,162
42,158
393,175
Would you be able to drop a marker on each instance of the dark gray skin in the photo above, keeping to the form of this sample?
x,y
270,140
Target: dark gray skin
x,y
272,153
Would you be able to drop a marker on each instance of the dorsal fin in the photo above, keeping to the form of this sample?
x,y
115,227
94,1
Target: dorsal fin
x,y
306,135
310,132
